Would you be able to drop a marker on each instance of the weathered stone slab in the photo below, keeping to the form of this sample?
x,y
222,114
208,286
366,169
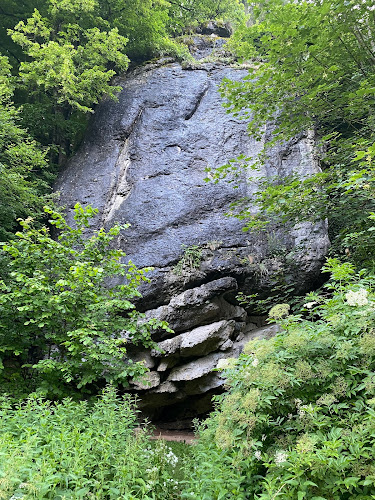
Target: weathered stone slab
x,y
195,369
147,381
197,342
167,363
143,356
266,332
167,347
199,306
204,384
206,339
165,387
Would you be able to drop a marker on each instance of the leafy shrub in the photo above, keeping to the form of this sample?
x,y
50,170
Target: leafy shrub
x,y
299,419
23,164
74,450
191,259
60,318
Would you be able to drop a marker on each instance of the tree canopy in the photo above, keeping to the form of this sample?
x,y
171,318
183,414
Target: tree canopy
x,y
23,163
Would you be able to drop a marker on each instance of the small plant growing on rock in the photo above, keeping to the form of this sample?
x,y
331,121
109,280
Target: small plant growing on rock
x,y
213,245
191,259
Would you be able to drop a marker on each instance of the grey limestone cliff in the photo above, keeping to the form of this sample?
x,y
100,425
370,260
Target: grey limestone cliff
x,y
143,162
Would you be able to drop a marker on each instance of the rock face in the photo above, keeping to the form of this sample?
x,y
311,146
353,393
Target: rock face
x,y
143,162
183,366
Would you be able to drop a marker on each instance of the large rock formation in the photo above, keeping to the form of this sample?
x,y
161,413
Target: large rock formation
x,y
143,162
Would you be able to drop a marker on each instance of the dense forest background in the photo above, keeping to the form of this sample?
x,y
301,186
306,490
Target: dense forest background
x,y
298,420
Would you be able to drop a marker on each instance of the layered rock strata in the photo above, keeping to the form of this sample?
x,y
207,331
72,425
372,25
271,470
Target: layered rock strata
x,y
184,365
143,162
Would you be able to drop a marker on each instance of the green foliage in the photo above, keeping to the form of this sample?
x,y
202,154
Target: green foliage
x,y
313,67
143,22
280,293
186,15
69,66
59,316
77,450
22,162
191,259
319,68
166,472
298,421
277,269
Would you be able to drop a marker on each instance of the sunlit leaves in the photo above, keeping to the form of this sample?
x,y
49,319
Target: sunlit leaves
x,y
72,69
22,161
59,315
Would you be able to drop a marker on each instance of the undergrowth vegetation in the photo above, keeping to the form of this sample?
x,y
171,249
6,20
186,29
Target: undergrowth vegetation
x,y
299,419
77,450
297,422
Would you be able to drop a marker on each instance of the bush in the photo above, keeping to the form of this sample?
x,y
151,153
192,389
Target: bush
x,y
60,318
299,419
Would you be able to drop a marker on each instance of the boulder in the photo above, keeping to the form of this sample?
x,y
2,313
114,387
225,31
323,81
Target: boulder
x,y
165,387
143,356
143,161
206,339
197,342
167,347
197,306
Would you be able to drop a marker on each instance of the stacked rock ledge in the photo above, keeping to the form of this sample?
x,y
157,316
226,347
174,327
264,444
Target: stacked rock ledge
x,y
184,364
143,162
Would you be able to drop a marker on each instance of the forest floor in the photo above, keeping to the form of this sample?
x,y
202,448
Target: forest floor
x,y
182,436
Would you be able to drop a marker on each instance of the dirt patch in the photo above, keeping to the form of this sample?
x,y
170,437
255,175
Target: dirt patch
x,y
187,437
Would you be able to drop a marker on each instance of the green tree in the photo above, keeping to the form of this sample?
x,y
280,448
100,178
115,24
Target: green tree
x,y
69,68
11,12
185,15
143,22
23,164
59,316
313,67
